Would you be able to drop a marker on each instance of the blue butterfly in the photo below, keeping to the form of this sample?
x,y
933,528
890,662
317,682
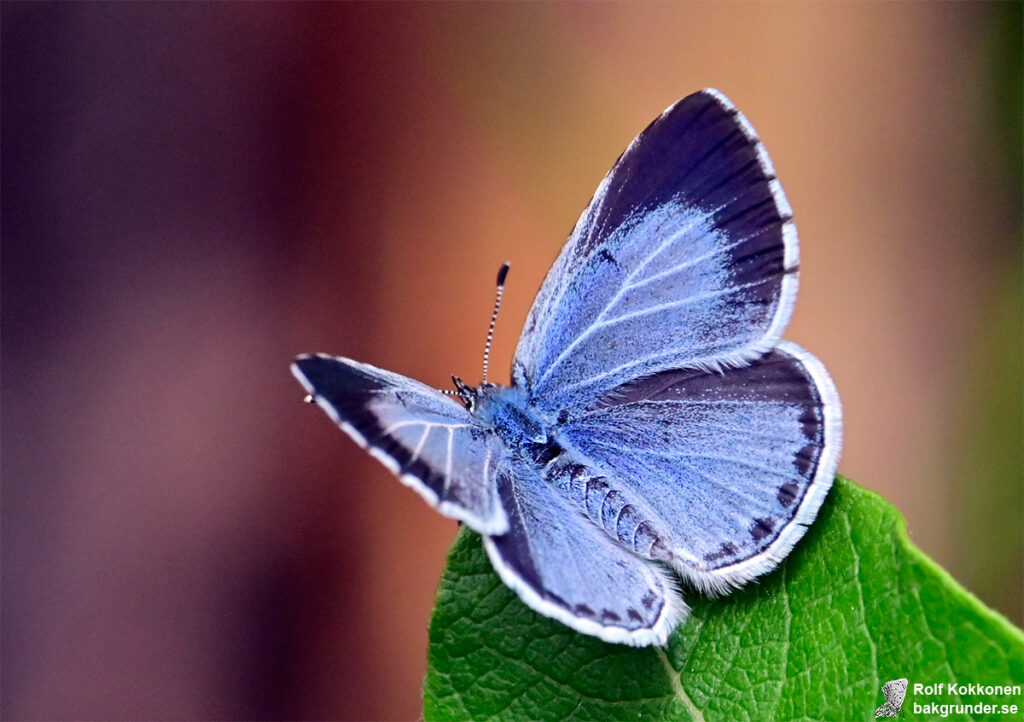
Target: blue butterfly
x,y
655,421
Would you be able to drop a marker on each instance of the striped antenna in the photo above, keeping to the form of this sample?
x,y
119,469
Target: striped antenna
x,y
502,273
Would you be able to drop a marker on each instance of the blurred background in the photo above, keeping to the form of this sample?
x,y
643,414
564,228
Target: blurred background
x,y
195,193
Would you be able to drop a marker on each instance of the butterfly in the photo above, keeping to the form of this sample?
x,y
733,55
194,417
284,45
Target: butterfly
x,y
655,422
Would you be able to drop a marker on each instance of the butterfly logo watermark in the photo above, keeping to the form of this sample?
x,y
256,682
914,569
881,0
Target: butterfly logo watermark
x,y
894,692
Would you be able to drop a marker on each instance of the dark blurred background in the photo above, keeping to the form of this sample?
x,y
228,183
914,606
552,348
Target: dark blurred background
x,y
195,193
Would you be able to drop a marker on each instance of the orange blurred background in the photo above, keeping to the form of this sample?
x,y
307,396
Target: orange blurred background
x,y
195,193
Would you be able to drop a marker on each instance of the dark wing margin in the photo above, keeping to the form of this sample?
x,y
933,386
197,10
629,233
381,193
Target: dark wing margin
x,y
686,257
432,443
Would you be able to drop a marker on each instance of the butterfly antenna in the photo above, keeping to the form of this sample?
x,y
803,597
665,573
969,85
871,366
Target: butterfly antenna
x,y
502,273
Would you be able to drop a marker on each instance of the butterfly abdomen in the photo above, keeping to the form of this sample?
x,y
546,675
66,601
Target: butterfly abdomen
x,y
612,510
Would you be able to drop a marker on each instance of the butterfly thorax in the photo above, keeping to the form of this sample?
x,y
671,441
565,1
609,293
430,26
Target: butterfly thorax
x,y
507,411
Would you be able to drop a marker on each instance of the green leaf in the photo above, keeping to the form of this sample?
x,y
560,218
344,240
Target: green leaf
x,y
854,605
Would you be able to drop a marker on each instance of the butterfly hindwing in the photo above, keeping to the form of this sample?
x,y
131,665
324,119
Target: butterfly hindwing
x,y
727,467
434,444
686,257
565,567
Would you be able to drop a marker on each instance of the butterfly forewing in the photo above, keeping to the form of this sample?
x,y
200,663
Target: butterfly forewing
x,y
685,258
432,442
